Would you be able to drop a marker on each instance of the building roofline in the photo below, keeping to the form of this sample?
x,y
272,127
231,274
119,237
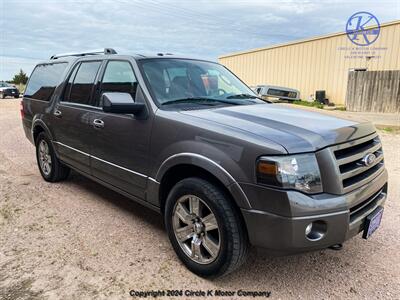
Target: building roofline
x,y
320,37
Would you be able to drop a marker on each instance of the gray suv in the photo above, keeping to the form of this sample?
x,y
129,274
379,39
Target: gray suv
x,y
190,140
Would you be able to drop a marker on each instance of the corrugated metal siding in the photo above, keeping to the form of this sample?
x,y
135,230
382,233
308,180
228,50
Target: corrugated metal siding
x,y
316,64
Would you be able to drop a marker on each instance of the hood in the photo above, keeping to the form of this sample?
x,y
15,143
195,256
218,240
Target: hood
x,y
296,130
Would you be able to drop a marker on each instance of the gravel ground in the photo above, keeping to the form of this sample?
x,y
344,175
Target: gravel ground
x,y
78,240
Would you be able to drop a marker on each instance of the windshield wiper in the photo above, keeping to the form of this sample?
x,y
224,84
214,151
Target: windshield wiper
x,y
241,96
246,96
200,100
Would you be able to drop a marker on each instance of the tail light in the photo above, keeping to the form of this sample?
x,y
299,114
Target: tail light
x,y
22,109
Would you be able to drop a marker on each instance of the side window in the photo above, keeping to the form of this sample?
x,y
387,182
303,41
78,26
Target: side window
x,y
67,90
83,82
44,80
118,77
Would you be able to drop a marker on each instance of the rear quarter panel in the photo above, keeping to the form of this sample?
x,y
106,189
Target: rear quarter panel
x,y
34,110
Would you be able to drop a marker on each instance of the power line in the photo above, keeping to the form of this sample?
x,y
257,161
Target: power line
x,y
190,15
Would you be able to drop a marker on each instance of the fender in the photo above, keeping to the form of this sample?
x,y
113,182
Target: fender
x,y
38,122
209,165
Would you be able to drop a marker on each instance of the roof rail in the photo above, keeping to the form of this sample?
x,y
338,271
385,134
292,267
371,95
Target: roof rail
x,y
84,53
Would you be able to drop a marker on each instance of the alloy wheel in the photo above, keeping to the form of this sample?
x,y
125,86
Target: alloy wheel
x,y
196,229
45,158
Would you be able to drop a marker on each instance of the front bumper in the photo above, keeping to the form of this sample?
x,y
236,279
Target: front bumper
x,y
343,215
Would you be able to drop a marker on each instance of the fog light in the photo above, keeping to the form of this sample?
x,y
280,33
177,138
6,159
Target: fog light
x,y
316,230
308,228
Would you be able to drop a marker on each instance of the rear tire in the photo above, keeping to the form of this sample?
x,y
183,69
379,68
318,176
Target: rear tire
x,y
205,228
50,167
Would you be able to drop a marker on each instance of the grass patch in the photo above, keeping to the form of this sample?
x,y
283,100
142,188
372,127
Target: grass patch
x,y
341,108
389,129
309,104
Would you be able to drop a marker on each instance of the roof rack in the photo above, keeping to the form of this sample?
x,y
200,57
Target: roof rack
x,y
90,52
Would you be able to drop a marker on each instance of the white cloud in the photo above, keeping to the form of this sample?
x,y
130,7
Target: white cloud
x,y
37,29
11,65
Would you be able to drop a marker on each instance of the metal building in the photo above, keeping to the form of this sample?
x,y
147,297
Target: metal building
x,y
319,63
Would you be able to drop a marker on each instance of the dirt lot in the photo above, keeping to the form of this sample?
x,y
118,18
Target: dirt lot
x,y
76,240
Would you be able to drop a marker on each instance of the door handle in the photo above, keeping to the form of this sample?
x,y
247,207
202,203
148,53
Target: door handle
x,y
57,113
98,123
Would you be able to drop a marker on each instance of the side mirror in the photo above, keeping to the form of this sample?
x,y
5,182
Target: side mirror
x,y
121,103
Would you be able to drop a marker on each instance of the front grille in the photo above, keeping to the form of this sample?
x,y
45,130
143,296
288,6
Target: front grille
x,y
353,172
366,205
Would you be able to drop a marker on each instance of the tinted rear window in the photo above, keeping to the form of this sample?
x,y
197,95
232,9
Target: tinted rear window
x,y
44,80
83,83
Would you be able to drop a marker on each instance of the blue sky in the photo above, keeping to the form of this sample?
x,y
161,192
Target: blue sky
x,y
33,30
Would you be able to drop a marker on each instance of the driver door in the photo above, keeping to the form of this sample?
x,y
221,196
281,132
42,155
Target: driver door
x,y
120,142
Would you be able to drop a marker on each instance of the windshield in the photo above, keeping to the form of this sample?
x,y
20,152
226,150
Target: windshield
x,y
183,81
4,84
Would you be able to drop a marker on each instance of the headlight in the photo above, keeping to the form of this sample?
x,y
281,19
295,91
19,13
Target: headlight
x,y
298,172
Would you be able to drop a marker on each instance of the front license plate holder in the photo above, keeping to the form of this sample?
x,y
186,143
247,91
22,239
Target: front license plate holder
x,y
372,222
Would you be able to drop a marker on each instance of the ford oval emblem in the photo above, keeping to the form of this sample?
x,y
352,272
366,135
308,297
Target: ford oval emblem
x,y
368,159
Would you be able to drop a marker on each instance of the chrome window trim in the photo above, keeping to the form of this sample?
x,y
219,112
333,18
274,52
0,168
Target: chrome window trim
x,y
102,160
154,180
117,166
72,148
79,106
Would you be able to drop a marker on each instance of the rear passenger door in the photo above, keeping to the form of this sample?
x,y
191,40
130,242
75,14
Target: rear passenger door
x,y
120,146
71,116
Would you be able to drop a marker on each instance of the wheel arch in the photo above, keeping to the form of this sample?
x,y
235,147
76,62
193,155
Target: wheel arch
x,y
184,165
39,126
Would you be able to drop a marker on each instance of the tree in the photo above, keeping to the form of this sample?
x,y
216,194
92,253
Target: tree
x,y
20,78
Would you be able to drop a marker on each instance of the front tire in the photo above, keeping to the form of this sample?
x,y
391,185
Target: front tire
x,y
205,228
50,167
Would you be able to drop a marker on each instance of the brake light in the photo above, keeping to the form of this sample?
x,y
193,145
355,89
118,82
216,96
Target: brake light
x,y
22,109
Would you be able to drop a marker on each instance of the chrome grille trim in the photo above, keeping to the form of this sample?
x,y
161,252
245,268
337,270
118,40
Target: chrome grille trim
x,y
355,142
352,172
360,211
364,181
360,206
359,155
361,169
